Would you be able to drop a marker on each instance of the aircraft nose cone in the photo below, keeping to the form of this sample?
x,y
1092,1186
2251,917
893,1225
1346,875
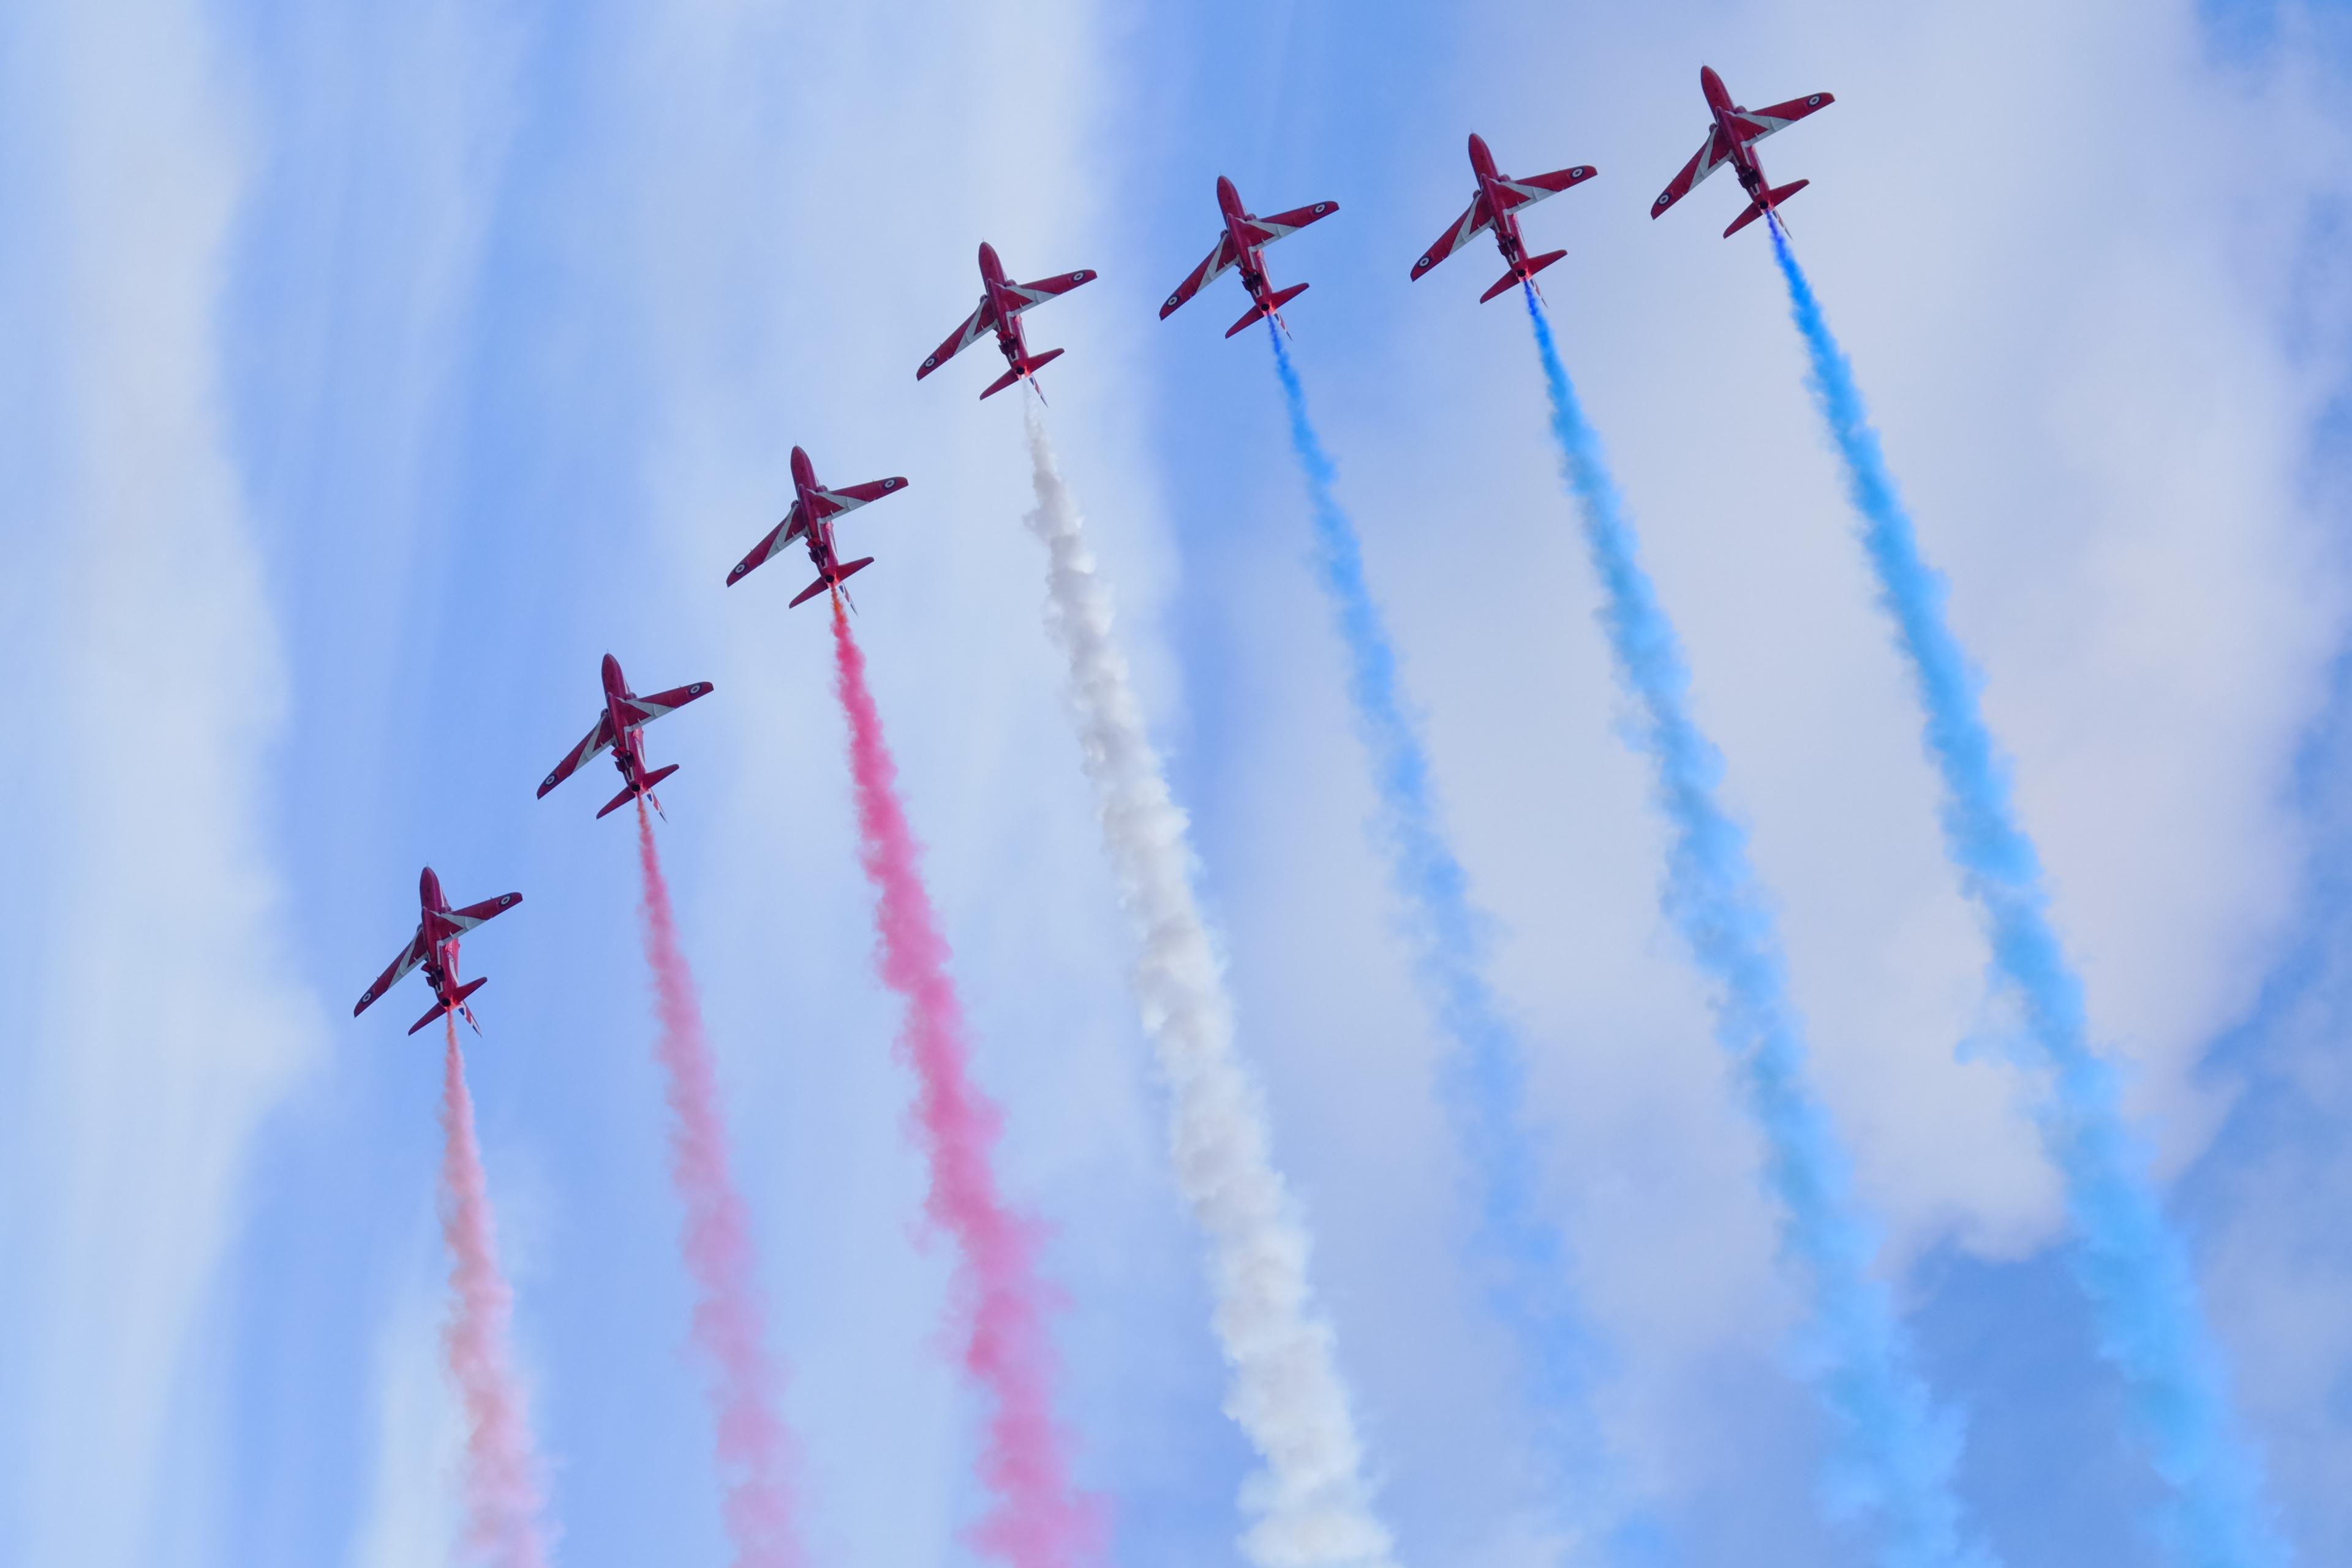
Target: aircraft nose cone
x,y
612,667
1478,145
1225,191
428,886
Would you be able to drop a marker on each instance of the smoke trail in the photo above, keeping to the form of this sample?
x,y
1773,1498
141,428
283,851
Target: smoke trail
x,y
1486,1074
2131,1263
1040,1520
503,1495
1308,1497
1896,1453
754,1454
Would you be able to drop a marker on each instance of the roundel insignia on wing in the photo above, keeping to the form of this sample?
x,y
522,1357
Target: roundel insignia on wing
x,y
1814,100
1171,301
930,361
1322,206
1421,264
890,484
547,782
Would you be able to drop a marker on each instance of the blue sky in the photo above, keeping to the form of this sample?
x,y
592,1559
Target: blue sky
x,y
373,371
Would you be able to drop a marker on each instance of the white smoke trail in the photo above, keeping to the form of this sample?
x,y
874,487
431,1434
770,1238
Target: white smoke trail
x,y
1311,1506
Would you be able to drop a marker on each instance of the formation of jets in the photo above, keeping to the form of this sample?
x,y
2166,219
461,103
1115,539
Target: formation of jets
x,y
1496,203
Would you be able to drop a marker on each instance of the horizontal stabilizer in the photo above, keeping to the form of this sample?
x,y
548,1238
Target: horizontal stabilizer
x,y
1523,273
822,584
641,787
1030,367
456,1000
1768,199
1259,311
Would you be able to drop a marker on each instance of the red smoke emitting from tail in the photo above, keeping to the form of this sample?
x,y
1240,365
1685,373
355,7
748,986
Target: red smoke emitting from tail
x,y
501,1474
754,1454
1040,1520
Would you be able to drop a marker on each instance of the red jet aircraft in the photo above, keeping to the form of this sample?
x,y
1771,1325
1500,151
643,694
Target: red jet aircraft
x,y
1732,140
622,726
1496,205
813,510
434,946
1001,301
1242,244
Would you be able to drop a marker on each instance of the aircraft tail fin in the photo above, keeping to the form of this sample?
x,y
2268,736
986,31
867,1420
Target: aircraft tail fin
x,y
846,570
1524,272
1260,311
640,786
457,1003
1768,199
1031,367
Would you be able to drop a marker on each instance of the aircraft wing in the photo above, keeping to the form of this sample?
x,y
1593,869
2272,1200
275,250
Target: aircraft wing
x,y
1291,222
410,957
646,710
784,533
598,739
473,915
1045,288
1756,124
849,498
974,326
1712,154
1219,259
1517,193
1465,227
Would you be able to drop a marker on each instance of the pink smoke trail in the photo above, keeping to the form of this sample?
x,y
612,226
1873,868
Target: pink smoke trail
x,y
503,1496
1039,1519
754,1453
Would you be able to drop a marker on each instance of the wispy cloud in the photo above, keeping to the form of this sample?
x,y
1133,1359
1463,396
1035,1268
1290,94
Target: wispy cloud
x,y
163,1023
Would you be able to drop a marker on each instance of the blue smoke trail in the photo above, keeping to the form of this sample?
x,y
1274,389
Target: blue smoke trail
x,y
2131,1263
1528,1284
1897,1452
